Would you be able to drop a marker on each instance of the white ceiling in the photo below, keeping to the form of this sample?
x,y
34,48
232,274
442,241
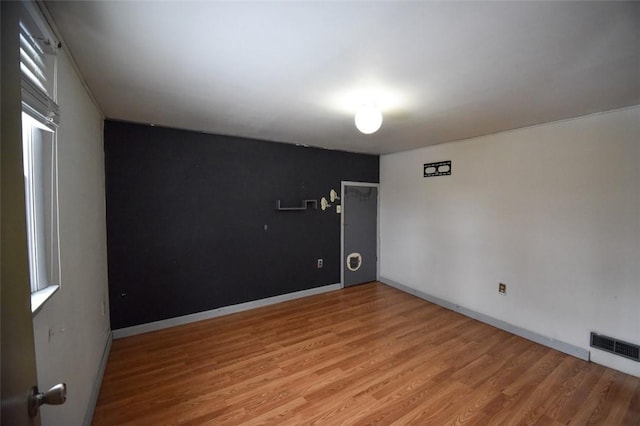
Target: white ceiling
x,y
297,71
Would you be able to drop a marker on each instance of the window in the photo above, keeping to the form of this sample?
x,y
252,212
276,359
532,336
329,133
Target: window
x,y
40,119
39,160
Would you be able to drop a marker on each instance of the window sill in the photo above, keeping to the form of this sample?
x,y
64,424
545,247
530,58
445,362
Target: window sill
x,y
39,297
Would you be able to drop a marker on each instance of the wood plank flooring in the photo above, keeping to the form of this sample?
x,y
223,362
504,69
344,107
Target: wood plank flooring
x,y
368,354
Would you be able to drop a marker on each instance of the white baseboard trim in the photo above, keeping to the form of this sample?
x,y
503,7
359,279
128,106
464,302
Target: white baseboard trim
x,y
225,310
95,392
558,345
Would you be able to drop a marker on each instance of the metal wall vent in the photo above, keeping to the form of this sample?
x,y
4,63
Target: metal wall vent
x,y
615,346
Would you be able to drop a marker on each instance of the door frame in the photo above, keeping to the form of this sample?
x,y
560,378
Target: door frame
x,y
344,184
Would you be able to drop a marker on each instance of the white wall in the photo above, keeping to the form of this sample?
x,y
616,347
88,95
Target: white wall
x,y
74,315
553,211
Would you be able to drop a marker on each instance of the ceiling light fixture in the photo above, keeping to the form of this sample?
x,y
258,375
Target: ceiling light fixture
x,y
368,119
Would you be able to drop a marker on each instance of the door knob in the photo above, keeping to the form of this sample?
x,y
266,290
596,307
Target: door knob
x,y
55,396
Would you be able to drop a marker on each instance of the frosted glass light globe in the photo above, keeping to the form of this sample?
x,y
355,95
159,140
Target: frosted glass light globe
x,y
368,119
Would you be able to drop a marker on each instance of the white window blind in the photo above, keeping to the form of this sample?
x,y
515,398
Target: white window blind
x,y
38,66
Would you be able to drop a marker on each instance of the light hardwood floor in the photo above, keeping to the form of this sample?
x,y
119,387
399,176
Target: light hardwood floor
x,y
368,354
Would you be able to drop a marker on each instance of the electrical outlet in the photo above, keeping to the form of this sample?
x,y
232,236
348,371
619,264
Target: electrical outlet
x,y
320,263
502,289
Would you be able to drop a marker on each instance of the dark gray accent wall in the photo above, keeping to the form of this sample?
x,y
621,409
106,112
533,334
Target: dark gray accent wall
x,y
192,223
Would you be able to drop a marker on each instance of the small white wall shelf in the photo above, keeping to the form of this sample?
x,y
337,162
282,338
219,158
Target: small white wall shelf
x,y
306,205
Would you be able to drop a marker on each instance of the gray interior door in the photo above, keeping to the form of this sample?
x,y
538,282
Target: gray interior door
x,y
360,210
18,374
